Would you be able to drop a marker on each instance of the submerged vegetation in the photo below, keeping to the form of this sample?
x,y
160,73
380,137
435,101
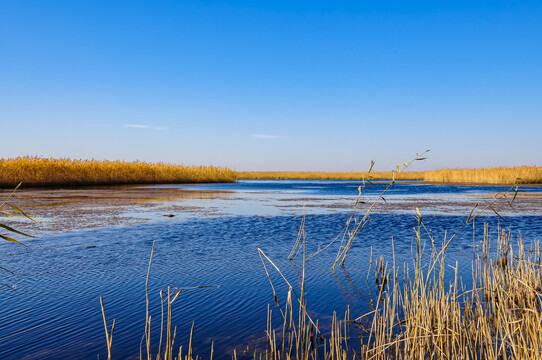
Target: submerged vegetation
x,y
35,171
495,175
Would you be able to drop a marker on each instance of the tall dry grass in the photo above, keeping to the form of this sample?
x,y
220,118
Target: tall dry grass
x,y
35,171
419,314
323,175
495,175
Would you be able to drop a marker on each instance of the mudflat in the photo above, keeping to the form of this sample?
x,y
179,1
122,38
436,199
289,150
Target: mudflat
x,y
68,209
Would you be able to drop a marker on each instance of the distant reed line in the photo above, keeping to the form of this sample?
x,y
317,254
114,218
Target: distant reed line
x,y
36,171
495,175
325,175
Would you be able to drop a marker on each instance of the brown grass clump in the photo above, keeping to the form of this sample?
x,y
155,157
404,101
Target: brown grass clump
x,y
495,175
35,171
423,316
324,175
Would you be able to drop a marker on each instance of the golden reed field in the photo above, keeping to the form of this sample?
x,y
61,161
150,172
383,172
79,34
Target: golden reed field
x,y
35,171
495,175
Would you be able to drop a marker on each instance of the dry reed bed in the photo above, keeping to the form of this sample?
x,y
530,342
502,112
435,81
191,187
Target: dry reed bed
x,y
35,171
495,175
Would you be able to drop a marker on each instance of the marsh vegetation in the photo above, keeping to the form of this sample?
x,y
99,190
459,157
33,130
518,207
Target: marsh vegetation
x,y
36,171
419,313
494,175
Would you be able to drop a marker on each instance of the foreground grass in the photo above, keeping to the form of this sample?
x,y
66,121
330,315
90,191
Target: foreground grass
x,y
34,171
420,315
495,175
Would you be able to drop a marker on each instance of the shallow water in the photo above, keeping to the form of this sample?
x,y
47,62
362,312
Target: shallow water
x,y
55,313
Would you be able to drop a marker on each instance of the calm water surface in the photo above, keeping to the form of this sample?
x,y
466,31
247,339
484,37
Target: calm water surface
x,y
55,313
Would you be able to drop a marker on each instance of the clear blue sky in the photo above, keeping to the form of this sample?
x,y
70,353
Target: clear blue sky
x,y
273,85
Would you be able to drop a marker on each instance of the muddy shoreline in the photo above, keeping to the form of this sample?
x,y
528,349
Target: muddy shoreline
x,y
61,210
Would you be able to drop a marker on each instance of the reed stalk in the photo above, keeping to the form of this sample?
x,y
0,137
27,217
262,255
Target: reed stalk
x,y
108,334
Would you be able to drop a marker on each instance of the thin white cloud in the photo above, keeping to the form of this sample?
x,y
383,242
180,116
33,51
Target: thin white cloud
x,y
264,136
140,126
137,126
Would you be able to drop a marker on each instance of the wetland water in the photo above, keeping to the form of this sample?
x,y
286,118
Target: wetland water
x,y
54,313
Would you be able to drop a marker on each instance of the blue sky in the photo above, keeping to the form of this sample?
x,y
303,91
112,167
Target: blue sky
x,y
274,85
